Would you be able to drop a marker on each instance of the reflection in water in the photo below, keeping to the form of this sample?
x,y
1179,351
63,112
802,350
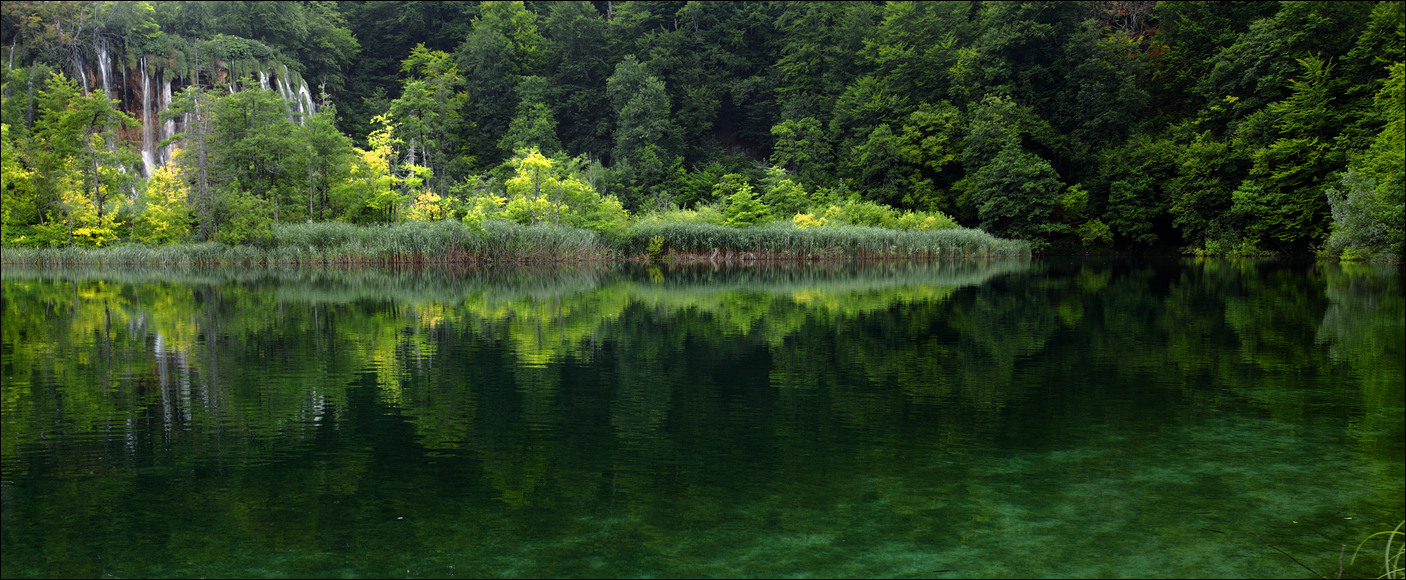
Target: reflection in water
x,y
995,418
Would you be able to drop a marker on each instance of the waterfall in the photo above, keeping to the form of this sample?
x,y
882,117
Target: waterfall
x,y
286,89
306,95
168,128
148,144
102,67
263,80
82,74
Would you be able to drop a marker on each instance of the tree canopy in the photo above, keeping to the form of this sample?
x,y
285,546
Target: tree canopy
x,y
1149,126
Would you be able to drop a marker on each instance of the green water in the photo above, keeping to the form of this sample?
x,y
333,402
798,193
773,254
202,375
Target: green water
x,y
969,419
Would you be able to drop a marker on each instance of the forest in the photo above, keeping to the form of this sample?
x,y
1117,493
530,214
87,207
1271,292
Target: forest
x,y
1213,128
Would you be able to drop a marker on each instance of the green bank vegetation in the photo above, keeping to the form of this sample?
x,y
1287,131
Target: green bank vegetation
x,y
1193,127
506,241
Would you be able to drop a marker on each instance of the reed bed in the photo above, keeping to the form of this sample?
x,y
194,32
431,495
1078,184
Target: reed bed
x,y
785,241
339,243
497,241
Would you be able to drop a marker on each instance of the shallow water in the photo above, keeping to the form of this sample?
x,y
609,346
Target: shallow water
x,y
1018,418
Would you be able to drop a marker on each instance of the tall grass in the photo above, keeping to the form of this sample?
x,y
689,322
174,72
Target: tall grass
x,y
505,241
341,243
785,241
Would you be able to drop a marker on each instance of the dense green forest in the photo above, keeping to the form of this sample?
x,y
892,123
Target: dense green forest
x,y
1211,127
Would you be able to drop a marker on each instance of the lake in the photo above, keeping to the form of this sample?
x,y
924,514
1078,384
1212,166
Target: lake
x,y
998,418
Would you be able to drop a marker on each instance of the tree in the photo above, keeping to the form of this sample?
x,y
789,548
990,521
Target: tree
x,y
198,162
744,209
78,163
819,54
1016,194
373,191
801,146
1102,99
534,125
17,203
783,196
1258,68
1130,192
1191,35
1284,204
995,126
1369,206
916,45
642,123
861,108
165,216
902,166
398,28
577,68
429,115
503,47
326,158
545,190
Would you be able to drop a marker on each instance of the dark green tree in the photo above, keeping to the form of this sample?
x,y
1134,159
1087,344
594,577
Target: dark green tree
x,y
577,55
533,125
641,127
504,46
1016,194
255,155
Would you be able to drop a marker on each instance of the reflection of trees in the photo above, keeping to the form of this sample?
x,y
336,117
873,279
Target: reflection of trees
x,y
1363,327
996,328
623,394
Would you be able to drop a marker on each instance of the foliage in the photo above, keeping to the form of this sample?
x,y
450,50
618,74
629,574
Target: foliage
x,y
1367,208
1016,194
166,216
544,190
642,123
1184,125
744,209
18,202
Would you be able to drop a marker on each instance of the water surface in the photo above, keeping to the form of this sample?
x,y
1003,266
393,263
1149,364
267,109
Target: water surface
x,y
954,419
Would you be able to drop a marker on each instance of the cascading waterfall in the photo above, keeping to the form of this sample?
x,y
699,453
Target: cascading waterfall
x,y
286,89
105,71
82,74
306,95
148,144
157,98
103,68
169,126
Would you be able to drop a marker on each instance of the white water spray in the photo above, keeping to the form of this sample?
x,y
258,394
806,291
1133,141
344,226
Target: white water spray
x,y
102,67
148,125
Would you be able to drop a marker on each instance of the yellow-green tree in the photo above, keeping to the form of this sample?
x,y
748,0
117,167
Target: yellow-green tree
x,y
544,190
82,221
16,190
378,188
533,180
166,215
73,183
429,207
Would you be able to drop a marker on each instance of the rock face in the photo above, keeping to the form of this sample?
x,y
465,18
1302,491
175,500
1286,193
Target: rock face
x,y
145,93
